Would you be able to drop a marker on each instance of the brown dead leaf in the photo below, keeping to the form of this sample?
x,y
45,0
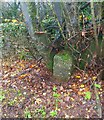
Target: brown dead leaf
x,y
82,86
6,76
38,70
22,76
38,101
32,66
72,99
80,93
94,78
61,88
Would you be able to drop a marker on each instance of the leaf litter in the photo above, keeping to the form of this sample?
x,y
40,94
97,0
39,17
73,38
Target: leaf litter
x,y
27,84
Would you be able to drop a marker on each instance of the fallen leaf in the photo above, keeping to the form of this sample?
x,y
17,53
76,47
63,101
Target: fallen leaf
x,y
72,99
38,70
44,94
94,78
14,21
86,89
65,94
22,76
38,101
61,88
80,93
78,77
66,116
84,78
82,86
22,65
31,66
6,76
73,85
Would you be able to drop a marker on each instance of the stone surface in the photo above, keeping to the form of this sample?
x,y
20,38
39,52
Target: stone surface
x,y
62,65
42,43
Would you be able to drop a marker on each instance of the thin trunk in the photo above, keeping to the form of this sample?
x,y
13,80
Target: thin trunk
x,y
95,28
27,19
98,103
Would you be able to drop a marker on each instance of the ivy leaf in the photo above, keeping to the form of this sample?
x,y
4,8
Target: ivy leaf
x,y
53,113
88,95
2,97
97,85
28,114
56,95
54,88
43,113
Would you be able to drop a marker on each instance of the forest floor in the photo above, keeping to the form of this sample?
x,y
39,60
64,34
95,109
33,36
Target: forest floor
x,y
28,91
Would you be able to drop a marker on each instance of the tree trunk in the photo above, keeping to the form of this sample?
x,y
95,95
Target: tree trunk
x,y
95,28
27,19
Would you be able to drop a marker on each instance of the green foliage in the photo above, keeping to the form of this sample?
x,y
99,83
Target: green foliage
x,y
56,95
54,88
22,54
65,56
50,25
49,65
53,113
32,9
42,111
2,96
97,85
27,113
88,95
11,11
12,102
33,12
19,93
13,29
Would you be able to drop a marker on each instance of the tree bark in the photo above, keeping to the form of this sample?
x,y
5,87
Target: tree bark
x,y
27,19
95,28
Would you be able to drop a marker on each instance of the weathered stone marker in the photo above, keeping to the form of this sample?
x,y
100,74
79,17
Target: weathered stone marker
x,y
62,65
42,43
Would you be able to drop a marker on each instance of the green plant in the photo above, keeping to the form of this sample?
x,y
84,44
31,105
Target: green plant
x,y
27,113
53,113
56,95
42,111
88,95
12,102
22,55
19,93
97,85
13,29
54,88
65,56
2,95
